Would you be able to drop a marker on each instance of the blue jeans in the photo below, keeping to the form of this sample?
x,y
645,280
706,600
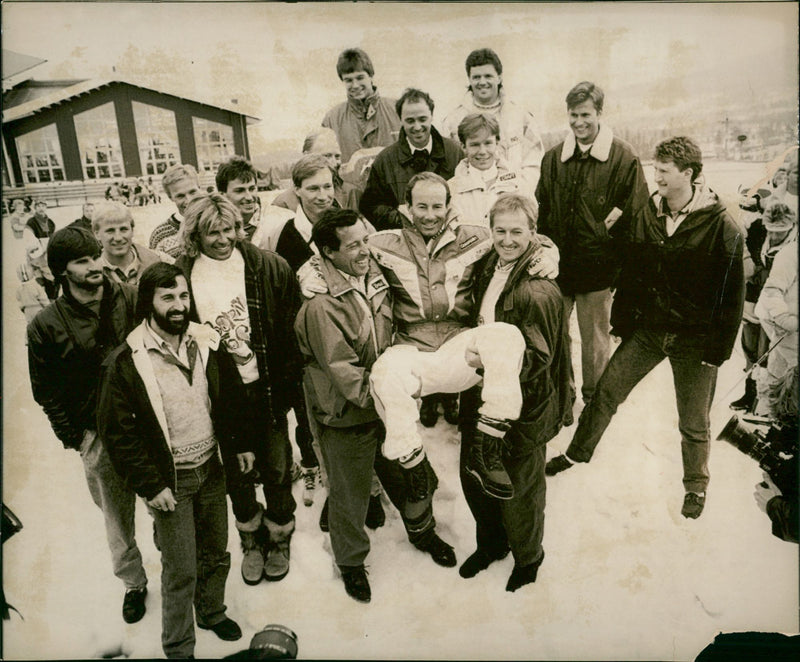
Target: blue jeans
x,y
195,562
694,391
118,502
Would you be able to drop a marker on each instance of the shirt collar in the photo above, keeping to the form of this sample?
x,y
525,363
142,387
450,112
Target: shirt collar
x,y
357,283
302,224
152,340
127,272
429,146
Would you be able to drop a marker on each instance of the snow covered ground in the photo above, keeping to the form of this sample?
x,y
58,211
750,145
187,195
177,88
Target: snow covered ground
x,y
625,576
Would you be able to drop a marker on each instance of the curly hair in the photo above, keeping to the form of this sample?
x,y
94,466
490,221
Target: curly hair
x,y
681,151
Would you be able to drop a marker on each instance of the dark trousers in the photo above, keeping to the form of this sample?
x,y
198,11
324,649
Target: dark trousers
x,y
517,523
195,562
302,433
350,455
273,451
694,391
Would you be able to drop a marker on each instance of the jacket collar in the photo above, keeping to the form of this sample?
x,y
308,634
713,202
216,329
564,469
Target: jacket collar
x,y
600,149
339,285
110,289
405,156
466,178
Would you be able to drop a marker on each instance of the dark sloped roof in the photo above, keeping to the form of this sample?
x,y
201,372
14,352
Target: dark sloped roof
x,y
58,95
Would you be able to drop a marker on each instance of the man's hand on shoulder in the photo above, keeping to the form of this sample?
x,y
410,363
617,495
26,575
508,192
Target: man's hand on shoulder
x,y
544,262
311,280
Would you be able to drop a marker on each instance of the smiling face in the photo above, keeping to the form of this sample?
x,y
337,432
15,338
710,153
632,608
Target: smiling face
x,y
183,192
428,207
584,120
116,238
171,307
316,193
219,240
243,194
672,183
485,83
358,85
481,149
416,118
352,257
511,235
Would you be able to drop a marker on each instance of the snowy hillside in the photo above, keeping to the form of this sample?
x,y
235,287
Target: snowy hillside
x,y
625,576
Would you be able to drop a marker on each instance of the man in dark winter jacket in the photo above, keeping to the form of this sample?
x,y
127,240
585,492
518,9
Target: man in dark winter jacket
x,y
251,297
167,413
67,343
419,148
680,297
505,292
591,186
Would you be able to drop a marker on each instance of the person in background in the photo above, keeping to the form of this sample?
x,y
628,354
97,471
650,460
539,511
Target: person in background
x,y
320,141
122,260
67,343
182,185
777,310
250,297
365,119
167,415
237,180
483,174
419,148
18,217
38,286
591,188
520,143
505,292
85,221
680,297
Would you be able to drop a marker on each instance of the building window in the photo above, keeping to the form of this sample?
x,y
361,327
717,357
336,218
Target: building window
x,y
98,141
157,134
40,156
214,143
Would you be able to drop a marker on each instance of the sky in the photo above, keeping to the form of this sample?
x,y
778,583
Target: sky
x,y
278,60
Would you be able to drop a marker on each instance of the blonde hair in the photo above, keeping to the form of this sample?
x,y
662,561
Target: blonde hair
x,y
203,215
110,212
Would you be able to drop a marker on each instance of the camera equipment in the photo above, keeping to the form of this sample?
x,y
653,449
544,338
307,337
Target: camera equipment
x,y
773,446
272,642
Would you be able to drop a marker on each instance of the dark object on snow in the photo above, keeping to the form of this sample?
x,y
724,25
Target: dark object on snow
x,y
273,642
11,525
751,646
775,450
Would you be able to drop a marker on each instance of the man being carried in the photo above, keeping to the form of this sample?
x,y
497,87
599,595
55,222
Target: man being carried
x,y
339,357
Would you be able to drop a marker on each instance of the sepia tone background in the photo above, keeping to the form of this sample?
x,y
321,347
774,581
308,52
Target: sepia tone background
x,y
625,577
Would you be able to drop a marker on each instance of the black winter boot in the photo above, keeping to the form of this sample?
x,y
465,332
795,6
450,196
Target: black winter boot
x,y
429,411
747,401
485,464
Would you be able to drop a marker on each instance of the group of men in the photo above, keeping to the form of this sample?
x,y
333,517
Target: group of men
x,y
440,275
